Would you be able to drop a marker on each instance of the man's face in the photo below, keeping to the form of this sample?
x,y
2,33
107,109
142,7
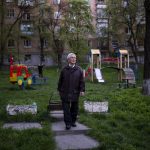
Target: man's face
x,y
72,60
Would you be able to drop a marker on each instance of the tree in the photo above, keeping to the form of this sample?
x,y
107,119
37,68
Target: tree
x,y
146,81
53,21
127,14
42,30
6,30
77,26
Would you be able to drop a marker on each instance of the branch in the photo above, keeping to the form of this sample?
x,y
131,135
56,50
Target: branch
x,y
19,16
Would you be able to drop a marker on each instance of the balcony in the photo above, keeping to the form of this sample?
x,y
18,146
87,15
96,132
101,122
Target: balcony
x,y
41,1
25,3
27,17
101,2
26,29
101,6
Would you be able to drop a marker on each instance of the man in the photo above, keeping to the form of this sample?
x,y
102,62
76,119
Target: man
x,y
70,86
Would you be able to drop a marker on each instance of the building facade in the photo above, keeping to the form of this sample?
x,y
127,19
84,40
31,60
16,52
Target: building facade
x,y
24,42
100,22
105,39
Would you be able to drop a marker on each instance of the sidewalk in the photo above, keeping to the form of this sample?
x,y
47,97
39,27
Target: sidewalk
x,y
74,139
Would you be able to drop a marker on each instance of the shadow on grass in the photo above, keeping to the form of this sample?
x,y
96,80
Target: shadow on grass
x,y
27,117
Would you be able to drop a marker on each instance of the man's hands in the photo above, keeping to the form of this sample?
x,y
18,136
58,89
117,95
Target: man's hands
x,y
82,93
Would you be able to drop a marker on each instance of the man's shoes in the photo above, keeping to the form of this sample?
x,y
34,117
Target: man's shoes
x,y
73,125
68,126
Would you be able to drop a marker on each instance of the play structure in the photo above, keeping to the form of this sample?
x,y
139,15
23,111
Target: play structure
x,y
37,75
95,66
125,73
19,74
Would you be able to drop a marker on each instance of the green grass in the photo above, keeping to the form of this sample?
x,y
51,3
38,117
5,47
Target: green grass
x,y
126,126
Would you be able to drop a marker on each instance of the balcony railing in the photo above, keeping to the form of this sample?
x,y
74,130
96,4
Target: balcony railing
x,y
25,3
102,2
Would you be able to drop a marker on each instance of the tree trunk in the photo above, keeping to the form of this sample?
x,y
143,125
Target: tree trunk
x,y
146,81
133,49
59,57
41,50
58,47
132,42
2,43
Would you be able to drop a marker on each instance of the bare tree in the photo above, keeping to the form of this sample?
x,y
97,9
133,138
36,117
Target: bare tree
x,y
146,81
53,21
77,26
127,14
7,29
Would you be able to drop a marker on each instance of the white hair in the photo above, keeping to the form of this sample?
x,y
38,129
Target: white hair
x,y
71,55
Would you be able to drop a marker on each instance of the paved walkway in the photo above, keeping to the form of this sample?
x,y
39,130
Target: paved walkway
x,y
74,139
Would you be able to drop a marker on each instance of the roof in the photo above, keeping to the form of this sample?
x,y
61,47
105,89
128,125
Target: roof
x,y
123,51
95,51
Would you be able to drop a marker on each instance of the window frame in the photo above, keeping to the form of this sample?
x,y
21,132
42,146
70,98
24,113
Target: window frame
x,y
27,43
11,43
11,13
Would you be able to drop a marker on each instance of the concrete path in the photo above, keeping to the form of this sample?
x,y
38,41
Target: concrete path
x,y
75,142
74,139
59,128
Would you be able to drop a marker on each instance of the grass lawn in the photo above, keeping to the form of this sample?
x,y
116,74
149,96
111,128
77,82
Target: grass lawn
x,y
125,127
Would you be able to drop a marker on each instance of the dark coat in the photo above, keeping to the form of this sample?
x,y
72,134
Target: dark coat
x,y
71,83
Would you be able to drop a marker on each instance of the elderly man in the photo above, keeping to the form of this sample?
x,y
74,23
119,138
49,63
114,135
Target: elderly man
x,y
70,86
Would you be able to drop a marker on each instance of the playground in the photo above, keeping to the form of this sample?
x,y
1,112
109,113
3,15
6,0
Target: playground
x,y
25,76
125,124
121,64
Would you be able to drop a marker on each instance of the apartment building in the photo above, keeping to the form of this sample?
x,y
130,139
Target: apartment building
x,y
24,41
103,40
100,22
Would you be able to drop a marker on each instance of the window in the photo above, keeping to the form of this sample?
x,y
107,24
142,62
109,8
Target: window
x,y
127,31
26,16
9,1
27,29
57,15
41,1
101,13
41,12
27,57
72,29
10,13
102,29
125,3
56,2
25,2
27,43
43,29
11,43
57,29
45,43
102,25
90,43
101,1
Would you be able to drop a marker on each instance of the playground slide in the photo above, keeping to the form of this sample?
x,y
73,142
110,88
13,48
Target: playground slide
x,y
98,75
